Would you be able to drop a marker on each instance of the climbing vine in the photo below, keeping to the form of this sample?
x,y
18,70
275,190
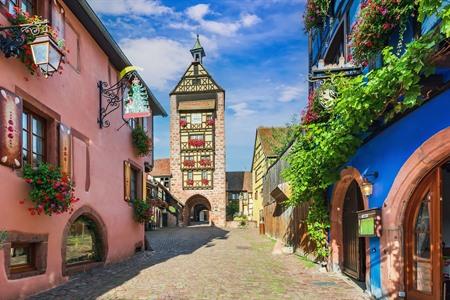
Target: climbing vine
x,y
323,146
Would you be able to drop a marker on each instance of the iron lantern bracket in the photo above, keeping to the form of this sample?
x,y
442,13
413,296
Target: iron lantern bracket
x,y
13,38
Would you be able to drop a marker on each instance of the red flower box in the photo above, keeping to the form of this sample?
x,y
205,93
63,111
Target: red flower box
x,y
183,123
205,162
190,182
205,181
196,143
211,122
189,163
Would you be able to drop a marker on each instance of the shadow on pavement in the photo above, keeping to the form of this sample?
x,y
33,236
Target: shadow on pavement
x,y
166,243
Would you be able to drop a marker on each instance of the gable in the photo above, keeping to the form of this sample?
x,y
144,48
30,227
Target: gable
x,y
196,79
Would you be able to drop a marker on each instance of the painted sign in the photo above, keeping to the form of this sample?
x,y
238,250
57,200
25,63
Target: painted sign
x,y
369,223
65,149
135,100
11,129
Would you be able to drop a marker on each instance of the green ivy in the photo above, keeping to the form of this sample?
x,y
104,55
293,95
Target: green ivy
x,y
142,211
141,141
323,147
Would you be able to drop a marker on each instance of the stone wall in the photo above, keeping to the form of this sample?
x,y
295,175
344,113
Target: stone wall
x,y
217,195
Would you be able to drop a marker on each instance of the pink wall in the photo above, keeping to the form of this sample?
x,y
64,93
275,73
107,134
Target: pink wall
x,y
73,95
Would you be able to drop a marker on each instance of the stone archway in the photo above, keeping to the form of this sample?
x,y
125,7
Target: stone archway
x,y
348,175
197,209
99,236
424,159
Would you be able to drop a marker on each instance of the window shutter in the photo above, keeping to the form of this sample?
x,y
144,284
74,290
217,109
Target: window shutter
x,y
10,129
127,180
65,149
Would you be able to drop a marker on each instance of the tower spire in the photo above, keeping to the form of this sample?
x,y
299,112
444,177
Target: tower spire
x,y
197,51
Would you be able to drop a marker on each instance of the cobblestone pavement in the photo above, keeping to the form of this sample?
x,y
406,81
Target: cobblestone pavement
x,y
207,263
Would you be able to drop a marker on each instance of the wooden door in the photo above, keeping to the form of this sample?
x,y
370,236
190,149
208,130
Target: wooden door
x,y
354,258
423,239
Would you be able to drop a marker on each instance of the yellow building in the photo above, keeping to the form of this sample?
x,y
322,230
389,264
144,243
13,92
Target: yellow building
x,y
264,154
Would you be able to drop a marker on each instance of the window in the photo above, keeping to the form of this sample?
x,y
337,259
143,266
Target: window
x,y
25,5
145,124
132,123
204,174
83,242
22,257
196,118
58,22
33,139
197,137
134,184
190,175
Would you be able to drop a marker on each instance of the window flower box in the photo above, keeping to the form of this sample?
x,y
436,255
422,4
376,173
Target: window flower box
x,y
190,182
205,181
196,143
183,123
189,163
205,162
210,122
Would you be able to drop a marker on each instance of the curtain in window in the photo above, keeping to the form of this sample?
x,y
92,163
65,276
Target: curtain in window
x,y
11,129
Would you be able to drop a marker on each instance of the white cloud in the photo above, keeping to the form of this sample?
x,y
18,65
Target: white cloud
x,y
249,20
293,92
163,60
136,7
241,110
197,12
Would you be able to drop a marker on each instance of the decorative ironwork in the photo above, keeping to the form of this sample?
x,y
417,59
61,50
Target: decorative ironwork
x,y
13,38
113,96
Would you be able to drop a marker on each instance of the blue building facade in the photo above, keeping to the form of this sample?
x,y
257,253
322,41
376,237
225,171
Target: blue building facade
x,y
406,162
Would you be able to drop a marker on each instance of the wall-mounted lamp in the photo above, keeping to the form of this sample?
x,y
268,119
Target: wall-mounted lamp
x,y
367,185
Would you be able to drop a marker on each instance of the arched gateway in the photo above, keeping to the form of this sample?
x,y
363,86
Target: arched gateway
x,y
196,211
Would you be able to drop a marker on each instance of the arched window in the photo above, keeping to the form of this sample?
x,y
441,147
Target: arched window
x,y
83,242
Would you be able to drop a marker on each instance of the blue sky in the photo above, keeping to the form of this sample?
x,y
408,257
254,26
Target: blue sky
x,y
256,50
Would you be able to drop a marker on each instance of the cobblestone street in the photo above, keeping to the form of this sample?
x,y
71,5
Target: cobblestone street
x,y
207,263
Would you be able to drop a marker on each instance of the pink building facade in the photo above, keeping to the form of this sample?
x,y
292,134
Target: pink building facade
x,y
97,156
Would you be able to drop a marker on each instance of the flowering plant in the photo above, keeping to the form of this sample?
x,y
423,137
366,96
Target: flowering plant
x,y
189,163
196,143
183,123
51,191
19,18
205,162
310,115
205,181
210,122
141,141
142,210
190,182
315,14
376,23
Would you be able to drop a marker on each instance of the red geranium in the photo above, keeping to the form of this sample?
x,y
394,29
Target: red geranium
x,y
205,162
210,122
190,182
205,181
196,143
183,123
189,163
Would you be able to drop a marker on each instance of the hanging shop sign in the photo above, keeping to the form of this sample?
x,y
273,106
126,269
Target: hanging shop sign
x,y
11,129
369,223
135,100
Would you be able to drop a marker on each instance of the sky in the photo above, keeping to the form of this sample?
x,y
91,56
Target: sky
x,y
256,50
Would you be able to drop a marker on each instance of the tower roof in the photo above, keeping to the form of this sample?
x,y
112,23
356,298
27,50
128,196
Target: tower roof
x,y
197,51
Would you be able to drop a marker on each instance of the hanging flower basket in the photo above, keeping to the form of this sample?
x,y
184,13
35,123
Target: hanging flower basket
x,y
205,181
205,162
210,122
189,163
142,211
196,143
183,123
190,182
141,141
316,13
51,191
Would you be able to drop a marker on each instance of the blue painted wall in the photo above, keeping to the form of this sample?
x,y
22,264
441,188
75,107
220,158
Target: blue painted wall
x,y
389,150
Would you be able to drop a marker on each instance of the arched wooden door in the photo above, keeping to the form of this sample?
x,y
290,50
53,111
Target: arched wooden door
x,y
422,240
354,248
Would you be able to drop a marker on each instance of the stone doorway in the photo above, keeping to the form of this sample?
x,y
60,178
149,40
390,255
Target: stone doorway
x,y
197,211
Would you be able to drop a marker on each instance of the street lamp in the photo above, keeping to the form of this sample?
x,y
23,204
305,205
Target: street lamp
x,y
47,55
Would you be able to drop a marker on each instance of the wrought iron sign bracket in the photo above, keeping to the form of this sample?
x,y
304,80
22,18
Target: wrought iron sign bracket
x,y
112,96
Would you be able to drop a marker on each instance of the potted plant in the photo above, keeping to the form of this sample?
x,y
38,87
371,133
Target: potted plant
x,y
142,211
141,141
210,122
316,13
51,191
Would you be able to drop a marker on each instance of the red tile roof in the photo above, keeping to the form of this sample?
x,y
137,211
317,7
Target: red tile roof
x,y
161,168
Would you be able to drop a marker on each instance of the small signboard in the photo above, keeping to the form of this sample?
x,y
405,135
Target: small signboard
x,y
369,223
135,100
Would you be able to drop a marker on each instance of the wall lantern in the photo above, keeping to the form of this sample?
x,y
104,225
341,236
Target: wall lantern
x,y
47,55
367,185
